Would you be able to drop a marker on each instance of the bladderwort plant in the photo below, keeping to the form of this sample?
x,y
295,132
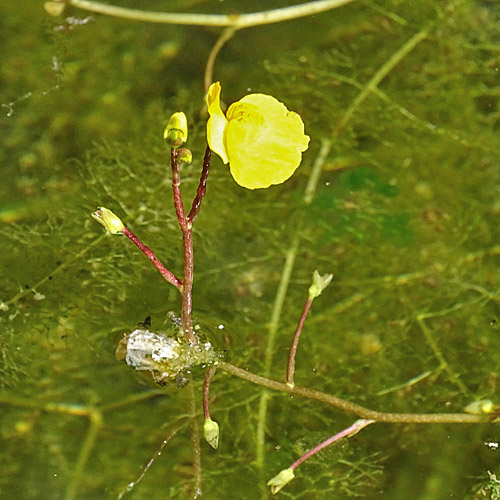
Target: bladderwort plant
x,y
263,144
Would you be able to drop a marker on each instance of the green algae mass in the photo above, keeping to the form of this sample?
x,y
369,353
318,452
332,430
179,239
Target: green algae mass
x,y
405,215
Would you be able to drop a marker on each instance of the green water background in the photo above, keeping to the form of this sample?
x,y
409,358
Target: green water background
x,y
405,215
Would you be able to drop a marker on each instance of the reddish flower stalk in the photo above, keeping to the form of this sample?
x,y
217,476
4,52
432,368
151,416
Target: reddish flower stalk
x,y
187,241
350,431
278,482
206,387
171,278
319,283
293,349
202,186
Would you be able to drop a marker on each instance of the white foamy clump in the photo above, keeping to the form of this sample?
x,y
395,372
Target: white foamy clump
x,y
145,348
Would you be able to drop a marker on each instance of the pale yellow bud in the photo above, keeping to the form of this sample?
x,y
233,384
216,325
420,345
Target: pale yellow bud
x,y
109,220
176,131
281,480
211,433
479,407
319,284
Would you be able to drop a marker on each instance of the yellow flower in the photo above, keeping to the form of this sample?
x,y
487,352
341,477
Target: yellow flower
x,y
260,139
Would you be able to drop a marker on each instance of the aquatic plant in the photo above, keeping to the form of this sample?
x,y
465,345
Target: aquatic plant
x,y
396,196
272,140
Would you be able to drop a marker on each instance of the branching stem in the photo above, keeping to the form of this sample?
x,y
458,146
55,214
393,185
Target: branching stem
x,y
173,280
132,484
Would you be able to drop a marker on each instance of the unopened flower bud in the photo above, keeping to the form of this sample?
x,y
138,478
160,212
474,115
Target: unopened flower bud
x,y
281,480
479,407
319,284
185,155
176,131
211,433
109,220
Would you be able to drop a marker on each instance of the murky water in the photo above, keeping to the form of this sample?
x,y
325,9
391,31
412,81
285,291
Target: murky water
x,y
401,103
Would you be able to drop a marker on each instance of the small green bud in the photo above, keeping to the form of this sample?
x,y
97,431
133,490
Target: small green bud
x,y
176,131
185,155
319,283
281,480
109,220
480,407
211,433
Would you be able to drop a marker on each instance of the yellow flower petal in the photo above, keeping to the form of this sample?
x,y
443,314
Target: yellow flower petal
x,y
217,123
264,141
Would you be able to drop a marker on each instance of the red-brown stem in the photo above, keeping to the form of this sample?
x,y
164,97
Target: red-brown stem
x,y
206,386
293,349
187,240
187,287
152,257
350,431
202,186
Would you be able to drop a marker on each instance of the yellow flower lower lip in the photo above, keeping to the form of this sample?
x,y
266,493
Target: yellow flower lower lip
x,y
260,139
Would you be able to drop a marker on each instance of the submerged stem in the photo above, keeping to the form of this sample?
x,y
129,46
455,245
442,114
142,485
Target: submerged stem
x,y
95,425
195,440
279,300
206,387
132,484
271,341
361,411
225,36
239,21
